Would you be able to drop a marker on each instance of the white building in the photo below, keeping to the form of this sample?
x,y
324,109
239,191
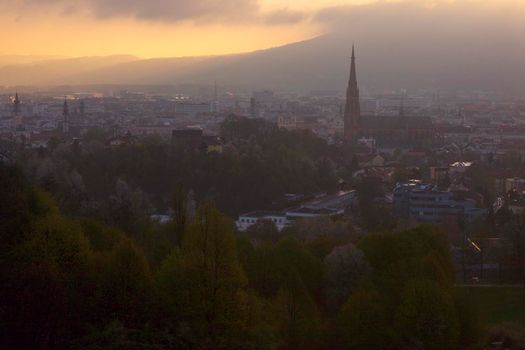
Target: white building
x,y
322,205
249,219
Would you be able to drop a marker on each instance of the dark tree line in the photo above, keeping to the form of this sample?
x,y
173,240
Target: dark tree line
x,y
258,165
78,284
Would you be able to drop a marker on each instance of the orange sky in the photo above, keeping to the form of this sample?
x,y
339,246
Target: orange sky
x,y
59,30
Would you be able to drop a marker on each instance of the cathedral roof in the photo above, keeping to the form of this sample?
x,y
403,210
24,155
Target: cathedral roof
x,y
397,122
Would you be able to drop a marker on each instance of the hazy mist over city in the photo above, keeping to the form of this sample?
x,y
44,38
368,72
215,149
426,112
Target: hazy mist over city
x,y
262,174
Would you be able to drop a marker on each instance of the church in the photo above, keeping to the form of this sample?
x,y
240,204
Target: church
x,y
390,131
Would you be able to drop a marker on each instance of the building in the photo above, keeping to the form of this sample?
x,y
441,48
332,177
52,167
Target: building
x,y
428,203
193,108
194,138
352,114
17,116
16,105
246,220
321,205
398,130
514,184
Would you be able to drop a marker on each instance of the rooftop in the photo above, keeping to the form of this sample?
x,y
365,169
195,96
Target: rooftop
x,y
262,214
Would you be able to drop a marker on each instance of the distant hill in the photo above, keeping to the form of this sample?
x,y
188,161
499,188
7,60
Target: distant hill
x,y
316,64
50,71
25,59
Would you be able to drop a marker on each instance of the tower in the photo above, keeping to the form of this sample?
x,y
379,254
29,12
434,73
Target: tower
x,y
16,105
17,117
82,108
352,114
65,115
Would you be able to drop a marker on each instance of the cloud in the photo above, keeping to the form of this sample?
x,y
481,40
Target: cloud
x,y
164,11
284,16
427,14
435,43
176,10
170,11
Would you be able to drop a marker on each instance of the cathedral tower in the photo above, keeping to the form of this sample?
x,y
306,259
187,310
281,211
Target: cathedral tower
x,y
352,114
16,105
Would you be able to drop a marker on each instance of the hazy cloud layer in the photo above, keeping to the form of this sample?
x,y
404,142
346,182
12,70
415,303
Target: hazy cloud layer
x,y
464,43
285,16
167,11
461,16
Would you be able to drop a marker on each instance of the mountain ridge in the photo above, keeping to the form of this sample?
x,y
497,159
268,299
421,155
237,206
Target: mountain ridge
x,y
320,63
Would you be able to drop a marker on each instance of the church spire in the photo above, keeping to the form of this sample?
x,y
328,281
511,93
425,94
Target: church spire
x,y
16,104
352,108
65,110
353,74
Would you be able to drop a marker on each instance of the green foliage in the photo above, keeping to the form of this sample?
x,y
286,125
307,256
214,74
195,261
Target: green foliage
x,y
374,215
469,318
290,256
363,322
124,283
408,296
89,181
181,215
101,237
80,284
426,316
296,313
14,208
263,230
418,253
481,181
44,275
204,280
345,268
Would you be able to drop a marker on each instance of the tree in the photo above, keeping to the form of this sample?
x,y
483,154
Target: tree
x,y
363,322
208,283
426,317
482,182
15,204
308,229
125,288
344,268
375,216
180,214
296,312
514,230
288,254
263,230
44,274
396,257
